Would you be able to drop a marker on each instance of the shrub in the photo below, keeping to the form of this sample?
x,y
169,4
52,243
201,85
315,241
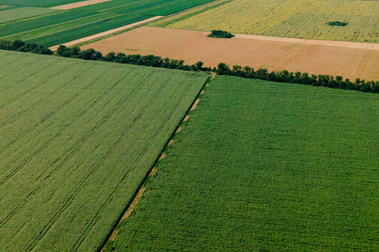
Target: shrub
x,y
220,34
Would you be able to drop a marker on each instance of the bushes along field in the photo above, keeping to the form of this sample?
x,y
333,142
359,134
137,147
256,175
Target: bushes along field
x,y
262,166
222,69
76,140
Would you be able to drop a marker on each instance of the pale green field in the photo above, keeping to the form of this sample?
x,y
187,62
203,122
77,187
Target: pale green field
x,y
285,18
76,140
21,13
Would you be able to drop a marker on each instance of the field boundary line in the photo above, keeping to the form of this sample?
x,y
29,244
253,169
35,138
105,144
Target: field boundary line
x,y
141,189
78,4
344,44
51,26
95,36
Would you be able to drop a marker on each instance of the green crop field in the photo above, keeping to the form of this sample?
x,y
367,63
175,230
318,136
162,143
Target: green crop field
x,y
38,3
21,13
67,25
284,18
76,140
263,166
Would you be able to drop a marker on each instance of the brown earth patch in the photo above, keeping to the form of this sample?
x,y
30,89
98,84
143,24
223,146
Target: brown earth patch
x,y
162,156
127,213
186,118
78,4
171,142
348,59
179,129
153,171
195,104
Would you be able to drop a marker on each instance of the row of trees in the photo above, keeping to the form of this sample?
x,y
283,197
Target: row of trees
x,y
19,45
299,78
222,68
135,59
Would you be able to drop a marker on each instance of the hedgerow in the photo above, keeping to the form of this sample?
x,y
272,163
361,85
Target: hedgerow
x,y
323,80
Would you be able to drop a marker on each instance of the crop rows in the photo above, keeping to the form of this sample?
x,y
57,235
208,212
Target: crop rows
x,y
38,3
80,31
64,26
77,138
263,166
43,23
24,12
288,18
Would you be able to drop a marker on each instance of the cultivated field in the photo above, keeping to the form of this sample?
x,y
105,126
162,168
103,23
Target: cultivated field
x,y
68,25
350,60
285,18
76,140
265,167
24,12
37,3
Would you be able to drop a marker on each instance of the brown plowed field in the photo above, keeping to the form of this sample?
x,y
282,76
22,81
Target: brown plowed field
x,y
348,59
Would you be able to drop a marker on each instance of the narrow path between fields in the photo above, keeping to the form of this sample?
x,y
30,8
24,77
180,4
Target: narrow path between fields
x,y
99,35
78,4
154,170
343,44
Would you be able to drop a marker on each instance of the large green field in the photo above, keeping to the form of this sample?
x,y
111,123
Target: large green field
x,y
76,140
264,166
305,19
67,25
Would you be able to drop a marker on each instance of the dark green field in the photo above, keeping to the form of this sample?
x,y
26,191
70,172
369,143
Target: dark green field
x,y
77,139
68,25
264,166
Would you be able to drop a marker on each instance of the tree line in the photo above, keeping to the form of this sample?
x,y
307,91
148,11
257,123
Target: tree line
x,y
19,45
221,69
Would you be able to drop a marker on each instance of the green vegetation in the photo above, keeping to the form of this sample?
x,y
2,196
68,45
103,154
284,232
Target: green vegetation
x,y
76,140
41,23
21,13
79,31
220,34
64,26
38,3
262,166
337,23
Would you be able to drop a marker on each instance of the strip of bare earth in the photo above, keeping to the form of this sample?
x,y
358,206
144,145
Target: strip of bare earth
x,y
154,170
78,4
347,59
99,35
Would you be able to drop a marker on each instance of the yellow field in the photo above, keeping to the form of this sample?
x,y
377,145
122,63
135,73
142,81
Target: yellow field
x,y
284,18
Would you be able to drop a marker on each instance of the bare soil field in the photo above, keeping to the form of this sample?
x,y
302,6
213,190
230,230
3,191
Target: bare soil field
x,y
348,59
78,4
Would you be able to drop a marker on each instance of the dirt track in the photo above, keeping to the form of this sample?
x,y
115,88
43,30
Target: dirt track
x,y
78,4
348,59
99,35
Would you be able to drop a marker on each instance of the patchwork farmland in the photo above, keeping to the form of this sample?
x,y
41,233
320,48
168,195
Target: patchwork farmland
x,y
285,18
95,151
62,26
76,140
262,166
